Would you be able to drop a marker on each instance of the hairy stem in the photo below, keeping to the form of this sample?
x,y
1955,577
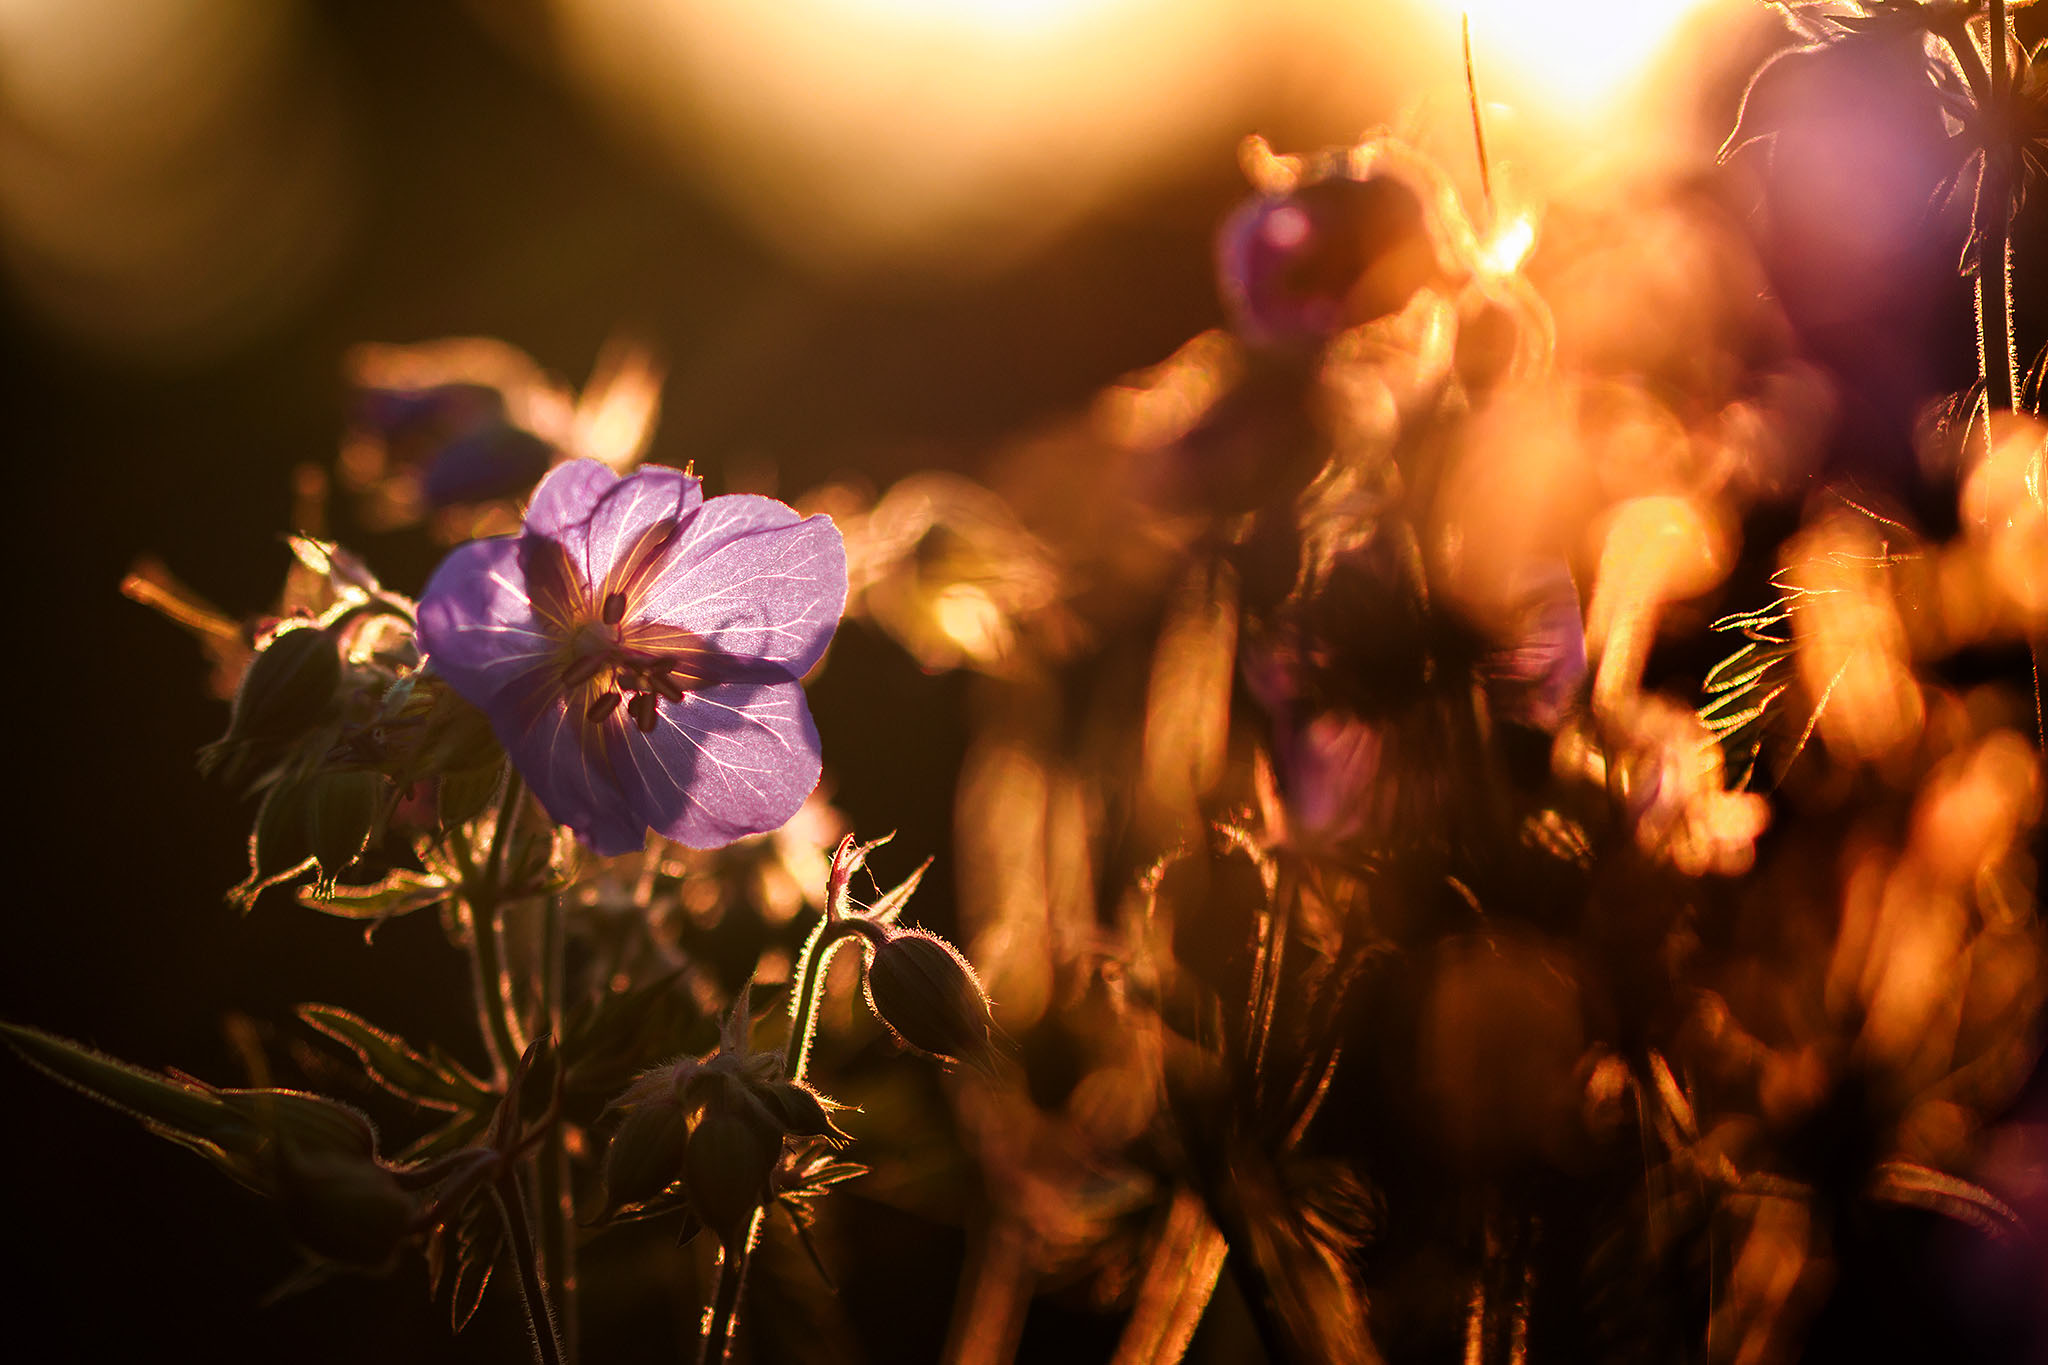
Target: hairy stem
x,y
482,893
557,1197
809,985
1997,356
1180,1278
724,1313
540,1319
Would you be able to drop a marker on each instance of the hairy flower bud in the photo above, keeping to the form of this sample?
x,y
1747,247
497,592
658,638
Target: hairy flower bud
x,y
289,686
341,816
324,817
800,1112
646,1154
928,996
730,1159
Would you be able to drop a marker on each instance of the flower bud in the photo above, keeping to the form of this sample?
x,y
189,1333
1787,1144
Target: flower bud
x,y
497,461
928,996
289,686
282,843
341,815
730,1160
288,689
1336,251
646,1154
800,1112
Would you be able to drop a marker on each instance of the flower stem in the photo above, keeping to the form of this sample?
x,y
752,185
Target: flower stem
x,y
725,1304
1997,352
1997,357
810,984
557,1199
540,1320
1265,993
482,893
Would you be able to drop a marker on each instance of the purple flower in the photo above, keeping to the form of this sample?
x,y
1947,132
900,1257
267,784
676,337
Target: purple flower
x,y
1339,249
638,651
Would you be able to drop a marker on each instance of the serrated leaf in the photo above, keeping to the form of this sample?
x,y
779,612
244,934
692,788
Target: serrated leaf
x,y
477,1237
399,893
432,1080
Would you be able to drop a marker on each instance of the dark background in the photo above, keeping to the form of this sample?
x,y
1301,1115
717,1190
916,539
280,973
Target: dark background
x,y
490,203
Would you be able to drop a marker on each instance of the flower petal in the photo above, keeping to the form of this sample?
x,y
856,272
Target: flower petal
x,y
570,763
725,762
753,582
567,496
621,521
478,625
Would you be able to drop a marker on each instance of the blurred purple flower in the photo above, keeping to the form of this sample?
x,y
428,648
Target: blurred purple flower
x,y
1359,725
638,651
1344,247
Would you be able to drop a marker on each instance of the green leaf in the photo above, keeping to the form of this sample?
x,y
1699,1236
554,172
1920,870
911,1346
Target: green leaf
x,y
432,1079
239,1131
399,893
475,1239
183,1111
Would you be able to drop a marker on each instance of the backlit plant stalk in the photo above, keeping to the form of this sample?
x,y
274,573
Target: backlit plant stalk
x,y
1997,355
547,1265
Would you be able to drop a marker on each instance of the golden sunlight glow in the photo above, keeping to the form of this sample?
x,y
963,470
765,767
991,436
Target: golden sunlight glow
x,y
1582,54
944,131
1504,252
1004,18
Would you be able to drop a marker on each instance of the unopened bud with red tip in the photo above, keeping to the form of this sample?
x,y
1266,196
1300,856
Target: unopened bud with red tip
x,y
928,995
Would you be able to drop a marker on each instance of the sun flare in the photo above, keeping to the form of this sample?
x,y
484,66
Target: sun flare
x,y
1579,53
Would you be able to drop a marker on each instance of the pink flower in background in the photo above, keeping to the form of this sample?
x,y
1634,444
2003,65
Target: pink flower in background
x,y
638,650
